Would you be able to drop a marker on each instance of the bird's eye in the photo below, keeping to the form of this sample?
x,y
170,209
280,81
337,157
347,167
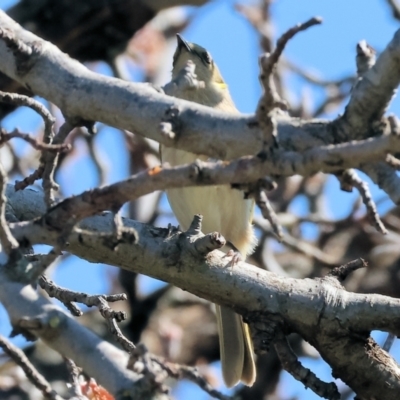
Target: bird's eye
x,y
206,57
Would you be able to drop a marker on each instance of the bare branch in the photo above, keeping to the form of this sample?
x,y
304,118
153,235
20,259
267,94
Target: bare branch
x,y
257,293
141,109
247,169
68,297
365,57
7,240
283,40
268,212
36,144
29,180
177,371
389,342
342,272
270,98
370,97
201,129
32,312
30,371
74,385
351,178
48,162
21,100
308,378
394,5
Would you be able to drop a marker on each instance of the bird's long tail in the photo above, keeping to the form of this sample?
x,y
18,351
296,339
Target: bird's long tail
x,y
236,348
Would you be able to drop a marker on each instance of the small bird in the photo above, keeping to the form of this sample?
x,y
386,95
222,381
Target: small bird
x,y
224,209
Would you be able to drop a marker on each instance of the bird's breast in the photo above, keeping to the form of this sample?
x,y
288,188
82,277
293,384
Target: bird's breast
x,y
223,209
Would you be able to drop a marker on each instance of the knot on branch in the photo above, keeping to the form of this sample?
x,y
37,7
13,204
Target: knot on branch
x,y
142,362
122,234
48,322
170,126
366,57
263,332
186,79
24,54
79,122
200,244
343,271
394,124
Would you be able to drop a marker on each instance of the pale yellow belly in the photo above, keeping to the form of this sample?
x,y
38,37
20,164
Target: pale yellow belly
x,y
223,209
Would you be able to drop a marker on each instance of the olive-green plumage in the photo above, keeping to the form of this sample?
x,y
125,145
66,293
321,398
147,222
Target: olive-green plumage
x,y
224,209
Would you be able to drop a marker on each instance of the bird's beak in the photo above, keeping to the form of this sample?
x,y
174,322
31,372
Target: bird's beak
x,y
182,43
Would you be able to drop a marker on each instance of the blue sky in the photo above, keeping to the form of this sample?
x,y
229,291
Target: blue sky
x,y
328,49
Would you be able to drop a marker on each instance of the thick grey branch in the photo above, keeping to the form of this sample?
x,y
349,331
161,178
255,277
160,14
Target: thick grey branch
x,y
59,331
373,92
83,94
320,310
246,169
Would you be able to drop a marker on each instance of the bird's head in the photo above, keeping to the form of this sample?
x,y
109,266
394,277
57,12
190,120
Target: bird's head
x,y
206,69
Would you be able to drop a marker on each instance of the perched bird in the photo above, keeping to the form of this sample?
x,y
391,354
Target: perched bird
x,y
224,210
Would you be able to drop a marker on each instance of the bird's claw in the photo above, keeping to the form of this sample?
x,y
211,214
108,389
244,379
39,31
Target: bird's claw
x,y
236,257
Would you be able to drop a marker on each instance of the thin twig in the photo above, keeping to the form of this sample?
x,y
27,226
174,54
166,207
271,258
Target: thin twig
x,y
177,371
292,365
268,213
260,17
270,98
30,371
69,297
40,262
389,342
126,344
49,120
29,180
142,362
21,100
343,271
284,39
74,385
315,80
36,144
99,164
308,249
49,162
257,191
7,240
350,178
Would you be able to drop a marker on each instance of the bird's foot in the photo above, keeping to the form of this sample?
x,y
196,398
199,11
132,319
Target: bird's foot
x,y
236,257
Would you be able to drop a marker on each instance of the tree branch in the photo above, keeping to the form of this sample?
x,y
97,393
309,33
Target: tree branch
x,y
320,310
59,331
84,95
141,109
